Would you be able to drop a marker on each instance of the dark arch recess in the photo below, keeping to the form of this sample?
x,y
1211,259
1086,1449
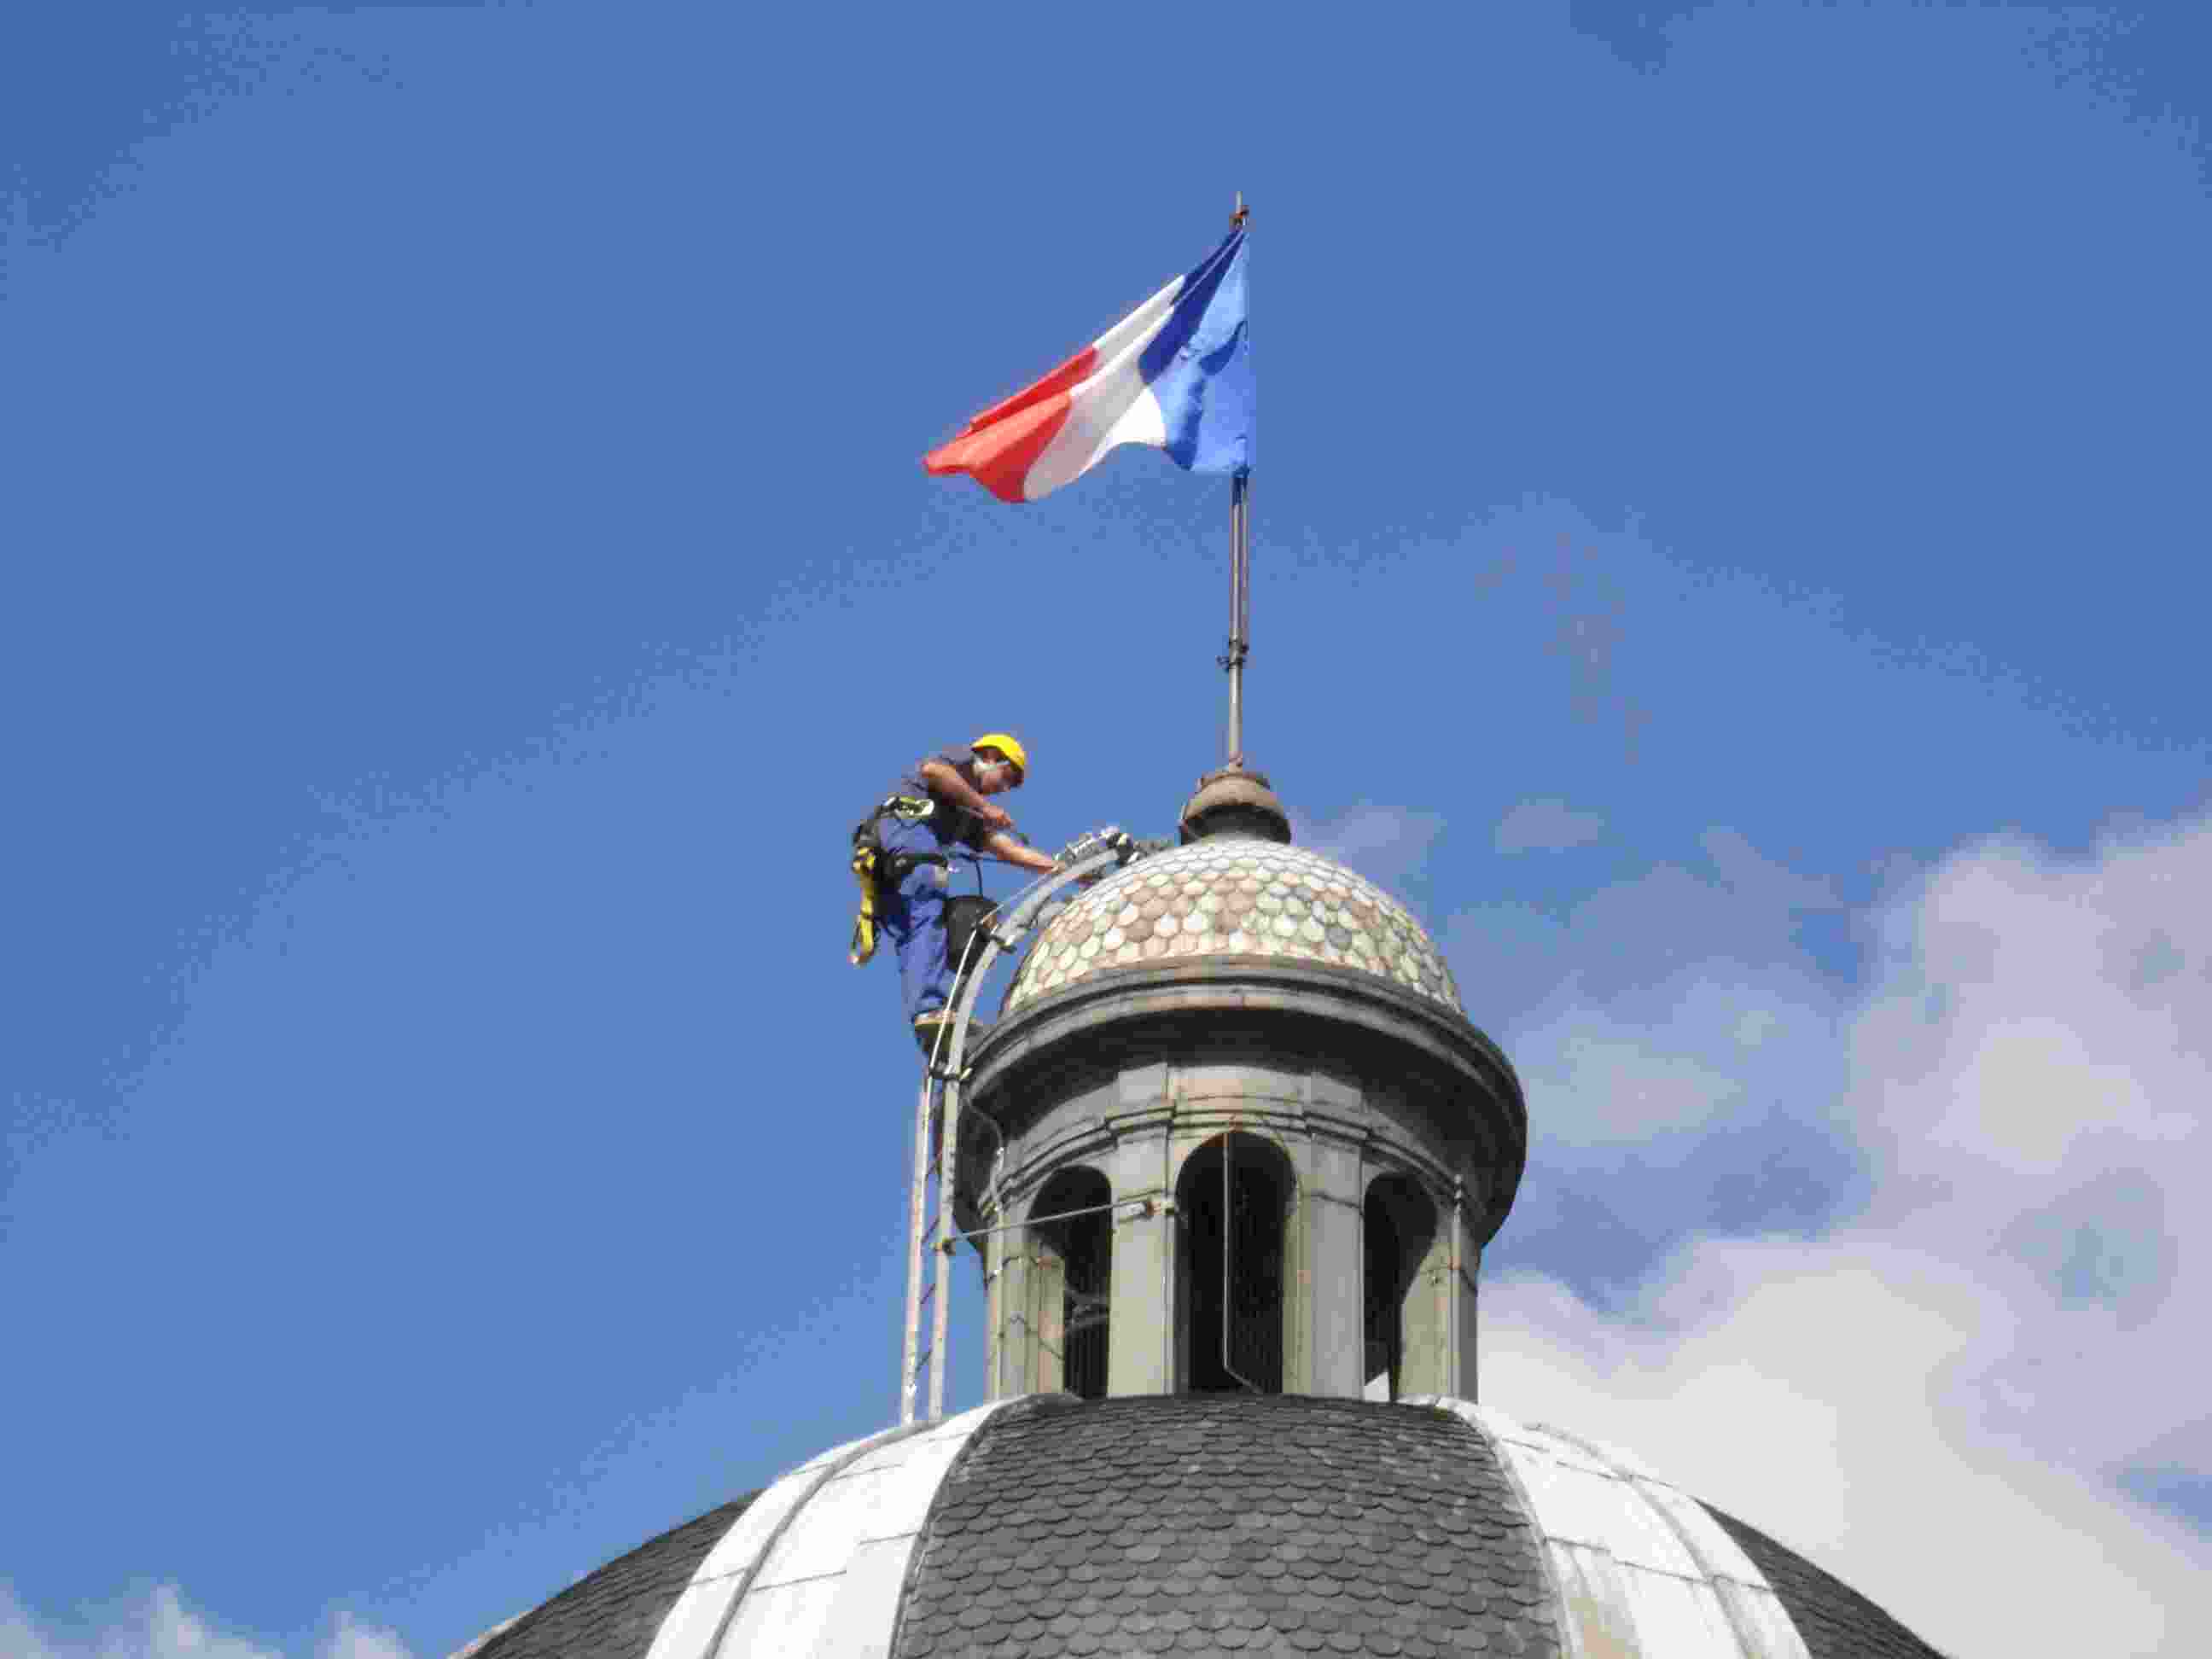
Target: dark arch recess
x,y
1399,1225
1080,1246
1254,1236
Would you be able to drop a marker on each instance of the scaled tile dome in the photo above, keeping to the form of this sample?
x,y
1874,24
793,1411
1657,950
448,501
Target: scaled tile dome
x,y
1234,897
1212,1525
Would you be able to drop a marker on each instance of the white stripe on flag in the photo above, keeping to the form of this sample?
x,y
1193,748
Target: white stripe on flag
x,y
1113,407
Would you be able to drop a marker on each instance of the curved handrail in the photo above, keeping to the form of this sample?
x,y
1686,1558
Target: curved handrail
x,y
1083,860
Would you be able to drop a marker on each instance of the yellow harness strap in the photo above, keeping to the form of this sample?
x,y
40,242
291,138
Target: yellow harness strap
x,y
864,923
868,868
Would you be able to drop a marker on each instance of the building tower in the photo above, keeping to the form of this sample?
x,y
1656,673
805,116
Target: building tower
x,y
1243,1075
1244,1149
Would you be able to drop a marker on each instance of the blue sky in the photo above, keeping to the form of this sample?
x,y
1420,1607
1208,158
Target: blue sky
x,y
1730,551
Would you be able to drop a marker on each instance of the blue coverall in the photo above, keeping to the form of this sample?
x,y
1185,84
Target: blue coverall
x,y
913,915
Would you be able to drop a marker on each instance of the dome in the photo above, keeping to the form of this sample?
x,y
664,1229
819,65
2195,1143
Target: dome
x,y
1242,1524
1234,896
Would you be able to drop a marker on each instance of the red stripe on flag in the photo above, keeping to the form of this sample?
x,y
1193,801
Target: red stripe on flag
x,y
1000,456
1072,373
999,446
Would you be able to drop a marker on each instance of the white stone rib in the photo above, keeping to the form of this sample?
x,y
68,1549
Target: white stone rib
x,y
814,1567
1637,1566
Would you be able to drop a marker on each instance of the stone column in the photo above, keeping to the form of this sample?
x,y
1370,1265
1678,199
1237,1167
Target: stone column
x,y
1439,1312
1140,1331
1016,1362
1331,1297
1048,1317
1464,1320
1425,1320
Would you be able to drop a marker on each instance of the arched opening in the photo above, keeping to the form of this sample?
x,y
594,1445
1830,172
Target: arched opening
x,y
1399,1228
1233,1204
1074,1256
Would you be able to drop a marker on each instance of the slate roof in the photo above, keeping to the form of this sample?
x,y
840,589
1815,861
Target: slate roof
x,y
1218,1524
1197,1523
1834,1620
614,1612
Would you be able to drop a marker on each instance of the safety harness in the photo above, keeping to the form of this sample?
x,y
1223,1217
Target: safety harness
x,y
878,869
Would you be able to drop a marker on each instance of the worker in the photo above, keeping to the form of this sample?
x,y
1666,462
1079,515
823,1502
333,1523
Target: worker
x,y
945,799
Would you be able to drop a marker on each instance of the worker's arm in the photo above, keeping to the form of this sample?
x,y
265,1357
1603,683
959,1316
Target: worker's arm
x,y
1005,848
943,780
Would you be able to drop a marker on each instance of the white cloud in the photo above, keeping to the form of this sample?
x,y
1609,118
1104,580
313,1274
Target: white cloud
x,y
351,1639
1672,1058
1938,1400
1549,826
1512,961
1750,874
2048,1015
159,1625
1824,1393
2032,1070
18,1637
1384,843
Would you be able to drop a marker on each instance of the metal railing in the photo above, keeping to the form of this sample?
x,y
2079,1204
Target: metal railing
x,y
937,1112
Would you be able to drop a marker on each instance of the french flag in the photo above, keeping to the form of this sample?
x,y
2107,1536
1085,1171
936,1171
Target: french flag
x,y
1175,375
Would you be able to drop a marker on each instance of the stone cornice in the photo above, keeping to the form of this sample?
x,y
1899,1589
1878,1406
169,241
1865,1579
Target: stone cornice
x,y
1345,1015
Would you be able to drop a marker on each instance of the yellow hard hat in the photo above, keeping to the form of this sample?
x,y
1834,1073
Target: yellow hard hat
x,y
1008,745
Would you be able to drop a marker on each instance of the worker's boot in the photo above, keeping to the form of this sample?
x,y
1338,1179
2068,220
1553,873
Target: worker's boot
x,y
928,1026
933,1031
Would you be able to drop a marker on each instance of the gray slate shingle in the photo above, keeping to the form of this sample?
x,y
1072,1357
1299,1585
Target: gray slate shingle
x,y
614,1612
1836,1622
1213,1524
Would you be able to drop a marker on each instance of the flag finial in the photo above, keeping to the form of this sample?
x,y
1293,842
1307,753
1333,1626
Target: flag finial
x,y
1236,219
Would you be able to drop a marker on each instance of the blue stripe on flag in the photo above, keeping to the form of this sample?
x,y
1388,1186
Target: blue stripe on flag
x,y
1200,366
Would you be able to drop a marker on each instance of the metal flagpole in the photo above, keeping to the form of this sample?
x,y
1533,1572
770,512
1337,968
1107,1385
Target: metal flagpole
x,y
1239,614
1240,578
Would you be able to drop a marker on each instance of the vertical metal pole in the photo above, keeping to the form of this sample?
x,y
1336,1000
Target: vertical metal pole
x,y
1460,1387
1239,613
947,1180
1244,564
1243,593
1240,578
910,1377
995,1308
1228,1232
1359,1232
1175,1225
